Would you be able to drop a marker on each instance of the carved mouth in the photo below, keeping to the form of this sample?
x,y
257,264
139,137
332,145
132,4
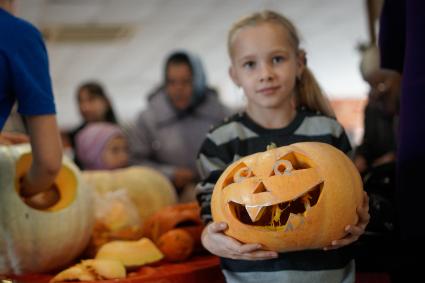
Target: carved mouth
x,y
277,216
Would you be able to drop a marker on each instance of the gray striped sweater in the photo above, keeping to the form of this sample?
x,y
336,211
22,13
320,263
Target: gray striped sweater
x,y
239,136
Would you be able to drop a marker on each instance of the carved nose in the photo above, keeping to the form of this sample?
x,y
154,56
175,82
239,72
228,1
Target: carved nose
x,y
260,188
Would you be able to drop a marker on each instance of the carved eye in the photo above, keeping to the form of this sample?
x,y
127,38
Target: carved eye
x,y
282,167
242,174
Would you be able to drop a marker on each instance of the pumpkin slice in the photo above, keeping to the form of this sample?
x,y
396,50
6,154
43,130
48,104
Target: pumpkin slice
x,y
91,270
131,253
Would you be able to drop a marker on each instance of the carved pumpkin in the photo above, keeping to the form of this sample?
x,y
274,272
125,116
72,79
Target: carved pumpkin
x,y
34,240
290,198
185,216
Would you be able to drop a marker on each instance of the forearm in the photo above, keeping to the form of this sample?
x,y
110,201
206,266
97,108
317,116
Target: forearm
x,y
46,152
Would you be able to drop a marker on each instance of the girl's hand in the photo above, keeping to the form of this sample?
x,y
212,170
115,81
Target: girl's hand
x,y
215,241
354,232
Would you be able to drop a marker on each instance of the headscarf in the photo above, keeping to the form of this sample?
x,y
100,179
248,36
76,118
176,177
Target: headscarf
x,y
91,141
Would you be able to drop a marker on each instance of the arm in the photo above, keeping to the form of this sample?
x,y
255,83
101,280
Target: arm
x,y
47,154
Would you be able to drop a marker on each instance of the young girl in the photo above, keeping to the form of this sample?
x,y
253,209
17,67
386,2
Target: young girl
x,y
284,105
102,146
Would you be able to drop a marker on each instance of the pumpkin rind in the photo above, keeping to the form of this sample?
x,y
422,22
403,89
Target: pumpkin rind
x,y
325,172
41,240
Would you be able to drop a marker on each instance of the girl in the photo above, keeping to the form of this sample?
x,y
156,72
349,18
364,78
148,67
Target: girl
x,y
284,105
102,146
94,106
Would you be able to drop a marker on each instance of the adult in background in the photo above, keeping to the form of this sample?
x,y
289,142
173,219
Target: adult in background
x,y
25,78
402,44
168,134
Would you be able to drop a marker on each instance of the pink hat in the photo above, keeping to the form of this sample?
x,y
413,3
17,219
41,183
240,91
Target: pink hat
x,y
90,142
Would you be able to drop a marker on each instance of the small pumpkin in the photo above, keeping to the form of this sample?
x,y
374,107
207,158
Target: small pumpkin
x,y
176,244
289,198
34,240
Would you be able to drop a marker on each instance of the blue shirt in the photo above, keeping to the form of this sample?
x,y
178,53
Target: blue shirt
x,y
24,69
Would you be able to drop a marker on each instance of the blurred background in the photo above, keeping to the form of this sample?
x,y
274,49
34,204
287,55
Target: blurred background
x,y
123,44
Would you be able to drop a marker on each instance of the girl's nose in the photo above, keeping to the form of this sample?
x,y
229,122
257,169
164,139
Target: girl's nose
x,y
266,73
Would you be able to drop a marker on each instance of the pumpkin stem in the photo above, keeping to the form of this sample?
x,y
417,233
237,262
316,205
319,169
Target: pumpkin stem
x,y
271,146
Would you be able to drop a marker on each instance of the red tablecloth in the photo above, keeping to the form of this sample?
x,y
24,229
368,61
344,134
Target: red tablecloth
x,y
196,269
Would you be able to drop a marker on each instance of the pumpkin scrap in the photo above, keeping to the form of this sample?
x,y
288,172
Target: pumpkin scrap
x,y
131,253
91,270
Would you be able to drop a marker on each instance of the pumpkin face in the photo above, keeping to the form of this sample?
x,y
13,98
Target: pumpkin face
x,y
290,198
34,240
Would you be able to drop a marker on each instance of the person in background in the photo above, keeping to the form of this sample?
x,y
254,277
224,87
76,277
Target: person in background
x,y
284,105
102,146
168,134
402,45
381,113
94,106
25,79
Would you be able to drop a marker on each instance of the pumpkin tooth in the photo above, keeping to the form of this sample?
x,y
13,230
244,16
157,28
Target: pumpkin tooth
x,y
255,211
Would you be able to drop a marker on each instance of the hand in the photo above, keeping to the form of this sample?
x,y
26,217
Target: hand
x,y
215,241
354,232
9,138
360,162
44,199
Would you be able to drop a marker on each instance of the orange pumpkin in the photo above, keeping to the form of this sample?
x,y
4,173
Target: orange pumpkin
x,y
290,198
176,245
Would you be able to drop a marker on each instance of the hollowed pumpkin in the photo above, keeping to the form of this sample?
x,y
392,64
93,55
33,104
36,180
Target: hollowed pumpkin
x,y
290,198
34,240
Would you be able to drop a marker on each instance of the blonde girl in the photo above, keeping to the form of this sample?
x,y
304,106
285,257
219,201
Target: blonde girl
x,y
284,105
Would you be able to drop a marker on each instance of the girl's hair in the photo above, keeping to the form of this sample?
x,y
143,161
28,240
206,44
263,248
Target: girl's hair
x,y
96,90
308,91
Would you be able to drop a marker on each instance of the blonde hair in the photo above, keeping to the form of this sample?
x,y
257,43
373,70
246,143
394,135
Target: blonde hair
x,y
308,91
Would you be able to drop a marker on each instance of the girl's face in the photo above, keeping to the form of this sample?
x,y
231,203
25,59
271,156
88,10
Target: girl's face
x,y
265,65
92,108
116,154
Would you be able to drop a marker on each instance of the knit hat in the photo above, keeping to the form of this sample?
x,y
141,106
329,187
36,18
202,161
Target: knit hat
x,y
370,62
91,141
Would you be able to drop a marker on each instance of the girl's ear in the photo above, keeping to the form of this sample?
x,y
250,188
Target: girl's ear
x,y
301,62
233,76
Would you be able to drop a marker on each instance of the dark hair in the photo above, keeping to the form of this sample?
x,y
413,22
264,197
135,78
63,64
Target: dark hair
x,y
96,90
177,58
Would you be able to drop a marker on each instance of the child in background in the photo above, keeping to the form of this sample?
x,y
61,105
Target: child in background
x,y
284,105
102,146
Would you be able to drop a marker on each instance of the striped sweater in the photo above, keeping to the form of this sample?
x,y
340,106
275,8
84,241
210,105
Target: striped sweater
x,y
239,136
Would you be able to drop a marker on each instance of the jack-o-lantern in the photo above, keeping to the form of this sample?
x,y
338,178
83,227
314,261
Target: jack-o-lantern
x,y
289,198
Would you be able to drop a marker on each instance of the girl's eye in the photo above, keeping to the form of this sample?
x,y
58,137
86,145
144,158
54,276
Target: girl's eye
x,y
278,59
249,64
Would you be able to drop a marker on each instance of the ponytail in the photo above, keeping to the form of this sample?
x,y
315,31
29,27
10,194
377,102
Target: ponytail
x,y
310,95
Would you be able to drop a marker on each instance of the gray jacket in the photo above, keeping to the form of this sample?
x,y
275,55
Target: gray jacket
x,y
164,138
